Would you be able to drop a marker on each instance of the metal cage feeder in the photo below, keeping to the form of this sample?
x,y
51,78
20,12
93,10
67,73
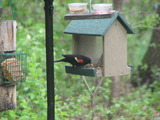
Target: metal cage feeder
x,y
13,68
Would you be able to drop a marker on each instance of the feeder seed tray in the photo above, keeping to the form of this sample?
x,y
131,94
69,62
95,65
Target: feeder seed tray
x,y
88,16
86,71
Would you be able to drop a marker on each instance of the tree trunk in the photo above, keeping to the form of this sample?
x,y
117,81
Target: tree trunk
x,y
115,88
116,80
151,59
118,4
152,56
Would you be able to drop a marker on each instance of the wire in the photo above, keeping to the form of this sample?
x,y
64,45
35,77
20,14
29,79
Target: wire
x,y
12,8
10,4
0,3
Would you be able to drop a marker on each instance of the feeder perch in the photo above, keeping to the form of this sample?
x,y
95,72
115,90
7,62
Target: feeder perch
x,y
104,41
13,67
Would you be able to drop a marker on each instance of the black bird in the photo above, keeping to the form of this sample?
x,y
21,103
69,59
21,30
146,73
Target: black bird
x,y
75,59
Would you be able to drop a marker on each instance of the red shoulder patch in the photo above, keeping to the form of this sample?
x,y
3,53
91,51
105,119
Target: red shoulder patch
x,y
79,60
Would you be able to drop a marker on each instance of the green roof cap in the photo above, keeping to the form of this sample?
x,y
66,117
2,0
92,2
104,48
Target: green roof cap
x,y
96,27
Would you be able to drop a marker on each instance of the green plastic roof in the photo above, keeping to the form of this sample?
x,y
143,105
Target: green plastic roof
x,y
96,27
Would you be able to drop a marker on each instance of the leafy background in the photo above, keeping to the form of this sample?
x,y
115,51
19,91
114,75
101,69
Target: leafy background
x,y
72,98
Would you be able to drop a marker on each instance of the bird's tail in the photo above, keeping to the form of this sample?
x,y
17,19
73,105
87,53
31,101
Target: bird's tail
x,y
61,60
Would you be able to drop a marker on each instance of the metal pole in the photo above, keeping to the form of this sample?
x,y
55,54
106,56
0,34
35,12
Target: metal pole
x,y
49,58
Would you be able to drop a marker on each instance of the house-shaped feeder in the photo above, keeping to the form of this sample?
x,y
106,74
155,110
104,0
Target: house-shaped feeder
x,y
104,41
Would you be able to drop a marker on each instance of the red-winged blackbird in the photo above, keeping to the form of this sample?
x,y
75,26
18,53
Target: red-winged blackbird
x,y
75,59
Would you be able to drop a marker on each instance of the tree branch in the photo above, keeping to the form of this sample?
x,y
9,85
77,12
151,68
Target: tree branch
x,y
86,84
99,85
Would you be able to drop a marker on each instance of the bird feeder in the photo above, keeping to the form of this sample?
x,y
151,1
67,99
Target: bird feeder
x,y
104,40
13,66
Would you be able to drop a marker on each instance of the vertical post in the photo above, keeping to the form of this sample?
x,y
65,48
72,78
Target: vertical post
x,y
49,58
7,44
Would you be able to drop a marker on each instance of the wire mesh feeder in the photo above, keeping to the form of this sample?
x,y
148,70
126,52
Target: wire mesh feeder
x,y
13,67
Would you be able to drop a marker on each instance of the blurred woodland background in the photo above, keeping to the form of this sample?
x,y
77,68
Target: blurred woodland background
x,y
131,97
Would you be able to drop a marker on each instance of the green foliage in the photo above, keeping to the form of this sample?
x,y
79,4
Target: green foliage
x,y
139,105
4,3
145,74
31,95
143,18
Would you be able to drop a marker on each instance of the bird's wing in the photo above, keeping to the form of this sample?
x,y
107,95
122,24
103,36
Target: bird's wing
x,y
79,60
